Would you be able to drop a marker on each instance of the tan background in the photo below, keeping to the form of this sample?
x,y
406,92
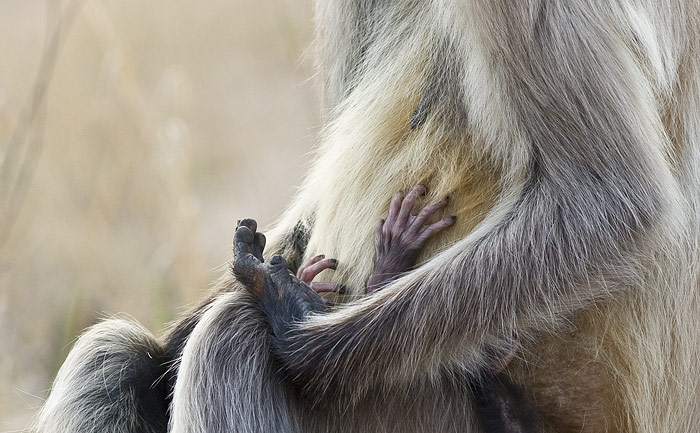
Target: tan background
x,y
163,123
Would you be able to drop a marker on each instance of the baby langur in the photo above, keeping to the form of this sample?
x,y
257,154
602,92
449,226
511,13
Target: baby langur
x,y
500,404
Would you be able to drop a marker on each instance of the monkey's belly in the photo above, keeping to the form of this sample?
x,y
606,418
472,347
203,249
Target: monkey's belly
x,y
442,407
571,381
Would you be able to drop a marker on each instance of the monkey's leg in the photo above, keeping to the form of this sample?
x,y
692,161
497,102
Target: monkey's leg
x,y
108,384
227,380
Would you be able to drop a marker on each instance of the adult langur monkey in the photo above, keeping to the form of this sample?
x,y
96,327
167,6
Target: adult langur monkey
x,y
565,133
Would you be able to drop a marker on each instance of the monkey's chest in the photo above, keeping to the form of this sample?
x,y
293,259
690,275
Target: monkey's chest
x,y
350,205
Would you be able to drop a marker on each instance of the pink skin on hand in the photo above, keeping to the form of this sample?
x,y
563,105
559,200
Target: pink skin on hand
x,y
398,241
309,270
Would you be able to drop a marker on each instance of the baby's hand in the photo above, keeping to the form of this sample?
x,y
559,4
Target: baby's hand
x,y
308,271
399,239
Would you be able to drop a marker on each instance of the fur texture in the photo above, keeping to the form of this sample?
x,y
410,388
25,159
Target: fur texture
x,y
566,133
109,383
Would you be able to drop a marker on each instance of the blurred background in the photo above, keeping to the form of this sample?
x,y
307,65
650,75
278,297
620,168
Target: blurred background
x,y
133,135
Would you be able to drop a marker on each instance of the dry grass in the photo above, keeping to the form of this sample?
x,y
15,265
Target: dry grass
x,y
163,123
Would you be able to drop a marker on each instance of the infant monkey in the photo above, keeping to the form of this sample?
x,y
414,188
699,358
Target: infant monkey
x,y
501,406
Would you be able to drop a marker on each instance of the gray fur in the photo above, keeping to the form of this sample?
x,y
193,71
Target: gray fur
x,y
104,384
229,346
588,114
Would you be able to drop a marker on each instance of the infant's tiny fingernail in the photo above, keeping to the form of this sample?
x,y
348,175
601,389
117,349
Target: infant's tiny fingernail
x,y
334,262
320,256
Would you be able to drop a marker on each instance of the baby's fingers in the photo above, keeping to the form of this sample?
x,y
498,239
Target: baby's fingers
x,y
435,228
328,288
315,266
425,214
